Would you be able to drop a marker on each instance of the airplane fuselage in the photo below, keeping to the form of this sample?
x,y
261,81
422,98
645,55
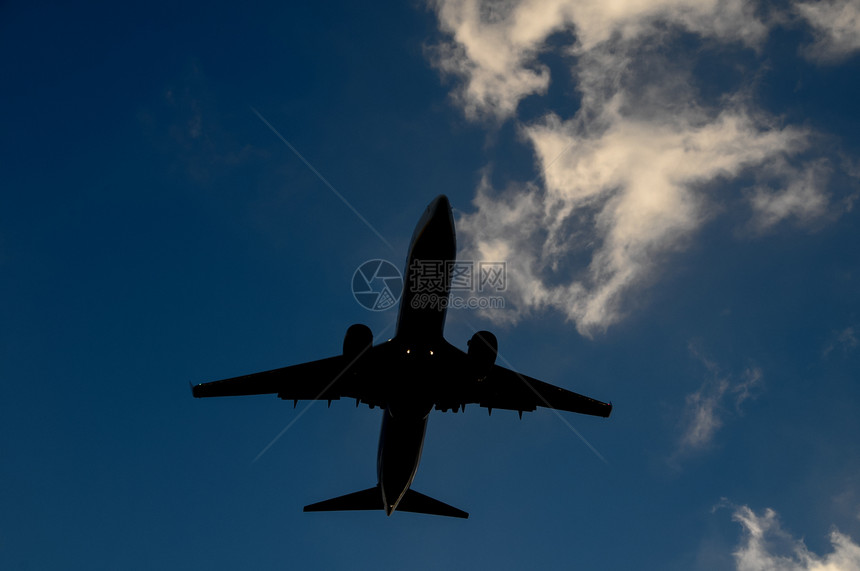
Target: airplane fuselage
x,y
418,339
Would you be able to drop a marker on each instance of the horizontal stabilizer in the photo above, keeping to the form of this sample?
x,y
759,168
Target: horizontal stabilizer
x,y
369,499
419,503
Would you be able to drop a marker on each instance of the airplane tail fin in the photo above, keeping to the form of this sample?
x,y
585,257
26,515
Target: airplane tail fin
x,y
419,503
371,499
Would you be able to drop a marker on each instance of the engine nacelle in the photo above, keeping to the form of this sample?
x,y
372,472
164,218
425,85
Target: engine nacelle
x,y
358,338
483,348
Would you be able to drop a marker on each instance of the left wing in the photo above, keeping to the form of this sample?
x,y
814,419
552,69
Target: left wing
x,y
325,379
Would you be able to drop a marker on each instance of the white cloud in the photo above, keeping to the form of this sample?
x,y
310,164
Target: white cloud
x,y
766,546
836,26
638,186
494,45
637,170
493,49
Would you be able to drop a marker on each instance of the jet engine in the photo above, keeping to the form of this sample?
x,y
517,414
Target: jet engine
x,y
357,339
483,348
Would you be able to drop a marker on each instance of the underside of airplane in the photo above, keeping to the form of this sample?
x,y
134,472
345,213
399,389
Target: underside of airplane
x,y
407,377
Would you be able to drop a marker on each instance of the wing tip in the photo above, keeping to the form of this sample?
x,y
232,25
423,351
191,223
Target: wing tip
x,y
196,390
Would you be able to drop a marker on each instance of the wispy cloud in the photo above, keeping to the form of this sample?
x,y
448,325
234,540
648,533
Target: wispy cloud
x,y
845,339
802,197
836,27
766,546
718,396
189,125
640,166
702,416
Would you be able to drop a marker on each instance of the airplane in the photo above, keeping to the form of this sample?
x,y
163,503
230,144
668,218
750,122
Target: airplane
x,y
407,376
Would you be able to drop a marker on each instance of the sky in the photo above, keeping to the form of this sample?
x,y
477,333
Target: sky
x,y
187,190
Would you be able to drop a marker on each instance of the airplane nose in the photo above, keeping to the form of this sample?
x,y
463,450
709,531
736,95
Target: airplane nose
x,y
441,203
440,212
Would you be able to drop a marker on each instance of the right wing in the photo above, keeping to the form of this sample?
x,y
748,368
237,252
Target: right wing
x,y
504,388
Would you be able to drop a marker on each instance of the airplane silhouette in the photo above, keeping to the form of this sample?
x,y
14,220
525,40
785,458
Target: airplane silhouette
x,y
408,375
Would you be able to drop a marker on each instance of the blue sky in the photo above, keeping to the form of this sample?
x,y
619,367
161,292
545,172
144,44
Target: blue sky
x,y
672,187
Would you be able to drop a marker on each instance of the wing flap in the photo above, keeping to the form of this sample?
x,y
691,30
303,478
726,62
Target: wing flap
x,y
507,389
322,379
